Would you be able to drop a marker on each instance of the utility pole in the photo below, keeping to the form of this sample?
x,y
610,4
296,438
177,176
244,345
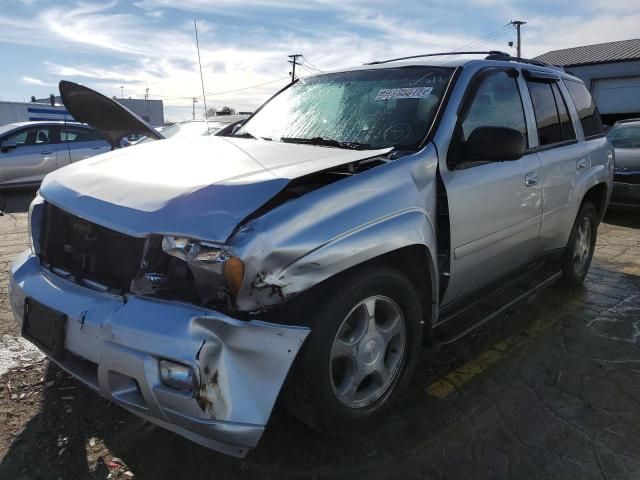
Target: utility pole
x,y
121,91
294,61
195,99
517,24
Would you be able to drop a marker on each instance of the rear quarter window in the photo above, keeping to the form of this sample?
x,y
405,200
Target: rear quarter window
x,y
586,107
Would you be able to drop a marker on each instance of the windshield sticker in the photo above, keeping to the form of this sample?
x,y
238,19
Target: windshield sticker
x,y
400,93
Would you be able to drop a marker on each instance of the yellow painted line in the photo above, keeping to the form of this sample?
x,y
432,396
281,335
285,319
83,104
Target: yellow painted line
x,y
443,387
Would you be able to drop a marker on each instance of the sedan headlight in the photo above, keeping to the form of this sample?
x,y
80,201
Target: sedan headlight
x,y
34,222
206,257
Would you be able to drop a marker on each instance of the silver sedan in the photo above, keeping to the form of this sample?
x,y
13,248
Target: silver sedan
x,y
30,150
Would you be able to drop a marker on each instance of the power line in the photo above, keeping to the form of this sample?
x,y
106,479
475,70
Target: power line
x,y
308,70
488,37
308,63
483,40
492,38
213,94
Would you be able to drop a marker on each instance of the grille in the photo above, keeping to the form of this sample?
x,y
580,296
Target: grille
x,y
89,251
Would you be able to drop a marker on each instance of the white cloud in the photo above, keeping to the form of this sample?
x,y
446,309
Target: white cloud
x,y
144,50
32,81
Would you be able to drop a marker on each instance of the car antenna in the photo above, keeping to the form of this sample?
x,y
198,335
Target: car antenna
x,y
204,97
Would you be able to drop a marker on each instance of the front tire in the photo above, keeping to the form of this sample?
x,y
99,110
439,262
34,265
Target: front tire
x,y
581,245
361,353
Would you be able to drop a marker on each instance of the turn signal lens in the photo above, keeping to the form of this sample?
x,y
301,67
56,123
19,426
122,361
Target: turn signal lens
x,y
233,271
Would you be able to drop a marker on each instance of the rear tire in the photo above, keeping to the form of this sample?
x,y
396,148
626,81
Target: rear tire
x,y
363,348
580,247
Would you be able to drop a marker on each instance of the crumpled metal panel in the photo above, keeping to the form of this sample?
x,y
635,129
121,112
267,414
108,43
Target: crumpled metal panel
x,y
305,241
197,187
240,366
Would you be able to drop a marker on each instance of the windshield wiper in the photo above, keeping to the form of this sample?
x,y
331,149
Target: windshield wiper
x,y
243,135
328,142
248,135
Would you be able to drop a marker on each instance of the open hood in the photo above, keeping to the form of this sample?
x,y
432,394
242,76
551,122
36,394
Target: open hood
x,y
104,114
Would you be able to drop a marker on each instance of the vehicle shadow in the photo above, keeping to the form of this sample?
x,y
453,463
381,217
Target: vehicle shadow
x,y
407,438
16,200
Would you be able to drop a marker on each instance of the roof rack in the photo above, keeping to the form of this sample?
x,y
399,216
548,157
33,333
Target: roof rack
x,y
490,55
483,52
506,57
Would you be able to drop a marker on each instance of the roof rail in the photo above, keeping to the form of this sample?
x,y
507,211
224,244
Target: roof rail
x,y
490,55
484,52
506,57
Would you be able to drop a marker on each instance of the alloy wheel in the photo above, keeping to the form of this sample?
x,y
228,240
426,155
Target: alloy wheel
x,y
367,351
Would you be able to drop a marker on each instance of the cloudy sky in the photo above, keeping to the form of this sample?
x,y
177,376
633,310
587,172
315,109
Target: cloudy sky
x,y
244,44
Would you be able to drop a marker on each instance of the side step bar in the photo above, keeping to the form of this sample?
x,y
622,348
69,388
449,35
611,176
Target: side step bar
x,y
486,304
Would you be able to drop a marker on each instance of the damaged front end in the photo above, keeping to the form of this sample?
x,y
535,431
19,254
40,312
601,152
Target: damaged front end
x,y
195,371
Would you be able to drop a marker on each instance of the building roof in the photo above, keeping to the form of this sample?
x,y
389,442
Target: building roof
x,y
620,51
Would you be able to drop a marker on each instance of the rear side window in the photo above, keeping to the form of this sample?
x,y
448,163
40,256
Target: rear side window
x,y
587,109
566,126
78,135
544,106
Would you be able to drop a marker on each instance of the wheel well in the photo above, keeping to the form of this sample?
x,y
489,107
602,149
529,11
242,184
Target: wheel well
x,y
598,196
412,260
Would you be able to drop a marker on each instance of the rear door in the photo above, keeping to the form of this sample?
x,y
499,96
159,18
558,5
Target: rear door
x,y
562,156
31,155
495,208
78,143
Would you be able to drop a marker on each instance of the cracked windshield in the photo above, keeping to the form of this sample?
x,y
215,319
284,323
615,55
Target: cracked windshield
x,y
392,107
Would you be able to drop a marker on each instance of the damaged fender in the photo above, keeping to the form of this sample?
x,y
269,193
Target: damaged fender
x,y
322,233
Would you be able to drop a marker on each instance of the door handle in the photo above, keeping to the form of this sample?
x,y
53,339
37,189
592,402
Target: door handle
x,y
531,179
96,148
581,164
46,153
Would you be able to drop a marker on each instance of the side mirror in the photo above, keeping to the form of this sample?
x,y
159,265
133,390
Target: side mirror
x,y
6,146
494,144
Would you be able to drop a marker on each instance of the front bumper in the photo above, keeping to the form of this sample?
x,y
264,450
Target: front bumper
x,y
625,195
113,345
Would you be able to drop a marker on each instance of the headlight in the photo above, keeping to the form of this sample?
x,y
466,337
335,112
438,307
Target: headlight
x,y
206,256
34,222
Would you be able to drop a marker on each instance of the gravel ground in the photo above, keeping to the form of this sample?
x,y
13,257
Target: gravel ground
x,y
550,389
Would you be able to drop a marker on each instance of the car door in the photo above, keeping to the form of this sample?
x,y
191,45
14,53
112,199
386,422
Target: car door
x,y
27,155
562,157
78,143
495,207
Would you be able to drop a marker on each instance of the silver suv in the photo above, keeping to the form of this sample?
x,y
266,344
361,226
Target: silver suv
x,y
308,254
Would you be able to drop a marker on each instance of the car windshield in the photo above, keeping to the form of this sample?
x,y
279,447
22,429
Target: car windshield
x,y
625,136
376,108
